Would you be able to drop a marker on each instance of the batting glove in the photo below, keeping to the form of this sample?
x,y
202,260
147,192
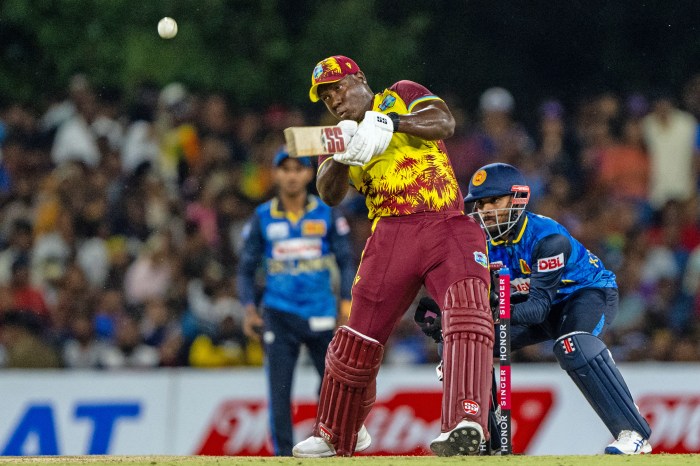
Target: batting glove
x,y
372,138
349,128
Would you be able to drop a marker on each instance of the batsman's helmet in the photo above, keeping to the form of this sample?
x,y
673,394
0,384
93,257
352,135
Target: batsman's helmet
x,y
497,180
330,70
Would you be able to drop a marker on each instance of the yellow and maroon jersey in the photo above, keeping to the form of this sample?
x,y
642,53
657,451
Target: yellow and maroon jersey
x,y
413,174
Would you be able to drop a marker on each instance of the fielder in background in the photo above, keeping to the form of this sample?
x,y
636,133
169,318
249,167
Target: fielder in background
x,y
395,157
299,240
562,292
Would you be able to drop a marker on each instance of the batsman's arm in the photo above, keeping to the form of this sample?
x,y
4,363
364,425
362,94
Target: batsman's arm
x,y
430,120
332,180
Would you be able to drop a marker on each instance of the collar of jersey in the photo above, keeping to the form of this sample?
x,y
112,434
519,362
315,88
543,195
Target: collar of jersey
x,y
277,211
523,225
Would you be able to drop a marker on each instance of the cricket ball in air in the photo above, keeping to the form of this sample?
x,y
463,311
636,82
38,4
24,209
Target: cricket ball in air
x,y
167,28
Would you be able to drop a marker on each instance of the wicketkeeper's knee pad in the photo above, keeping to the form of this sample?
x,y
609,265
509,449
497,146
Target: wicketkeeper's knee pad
x,y
589,364
467,355
349,388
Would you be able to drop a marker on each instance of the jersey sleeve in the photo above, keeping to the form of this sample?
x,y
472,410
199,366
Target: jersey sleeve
x,y
250,258
549,257
322,158
412,93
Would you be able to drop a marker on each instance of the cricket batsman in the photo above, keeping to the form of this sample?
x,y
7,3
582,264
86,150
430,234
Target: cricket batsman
x,y
420,236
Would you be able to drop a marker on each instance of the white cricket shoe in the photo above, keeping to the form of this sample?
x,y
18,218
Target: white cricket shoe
x,y
316,447
628,442
464,439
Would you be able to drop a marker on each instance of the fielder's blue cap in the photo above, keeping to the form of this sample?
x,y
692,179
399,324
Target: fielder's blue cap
x,y
283,155
494,180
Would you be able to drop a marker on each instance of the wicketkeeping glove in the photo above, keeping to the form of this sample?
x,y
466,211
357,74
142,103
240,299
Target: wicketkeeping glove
x,y
349,128
372,138
427,317
494,302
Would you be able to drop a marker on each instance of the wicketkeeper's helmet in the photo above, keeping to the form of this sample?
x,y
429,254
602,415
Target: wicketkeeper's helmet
x,y
496,180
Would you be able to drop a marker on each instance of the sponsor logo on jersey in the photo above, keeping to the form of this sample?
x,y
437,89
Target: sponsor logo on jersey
x,y
520,285
550,264
524,268
293,267
313,228
470,407
277,230
593,259
297,248
479,178
481,259
388,102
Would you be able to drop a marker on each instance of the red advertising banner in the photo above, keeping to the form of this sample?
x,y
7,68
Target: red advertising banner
x,y
401,425
675,422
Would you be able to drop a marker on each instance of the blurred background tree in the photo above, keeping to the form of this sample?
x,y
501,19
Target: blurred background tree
x,y
262,51
255,50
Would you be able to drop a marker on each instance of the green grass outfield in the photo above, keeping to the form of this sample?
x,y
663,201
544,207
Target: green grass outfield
x,y
592,460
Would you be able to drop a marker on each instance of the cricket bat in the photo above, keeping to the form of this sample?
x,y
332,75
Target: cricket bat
x,y
303,141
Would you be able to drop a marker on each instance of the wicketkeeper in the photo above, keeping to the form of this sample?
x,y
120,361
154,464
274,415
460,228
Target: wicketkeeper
x,y
561,292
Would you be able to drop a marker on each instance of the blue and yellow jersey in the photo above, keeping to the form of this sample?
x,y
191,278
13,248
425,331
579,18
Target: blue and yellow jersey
x,y
413,174
297,255
546,265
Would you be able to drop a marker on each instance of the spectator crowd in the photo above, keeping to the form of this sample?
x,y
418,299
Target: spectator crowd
x,y
120,217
